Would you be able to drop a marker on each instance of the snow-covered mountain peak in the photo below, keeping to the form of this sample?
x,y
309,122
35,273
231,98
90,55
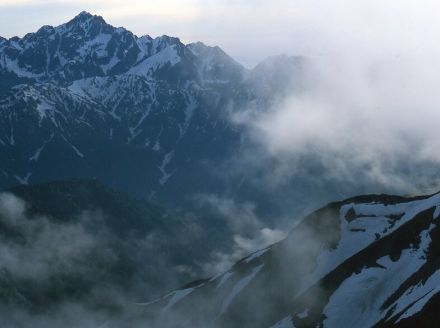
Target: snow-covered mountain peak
x,y
88,83
85,17
85,46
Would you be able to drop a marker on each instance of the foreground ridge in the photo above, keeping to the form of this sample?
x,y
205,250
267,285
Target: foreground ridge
x,y
369,261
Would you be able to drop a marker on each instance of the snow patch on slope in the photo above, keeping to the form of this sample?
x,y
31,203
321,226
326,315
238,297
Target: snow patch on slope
x,y
285,323
225,277
162,168
177,296
357,301
373,221
37,153
23,180
256,255
167,56
239,286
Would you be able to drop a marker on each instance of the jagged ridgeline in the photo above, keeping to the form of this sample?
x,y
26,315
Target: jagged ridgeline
x,y
145,115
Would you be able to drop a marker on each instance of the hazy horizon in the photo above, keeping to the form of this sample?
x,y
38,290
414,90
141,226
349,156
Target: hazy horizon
x,y
189,20
247,31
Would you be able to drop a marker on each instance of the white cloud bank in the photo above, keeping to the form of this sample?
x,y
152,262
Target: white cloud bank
x,y
372,105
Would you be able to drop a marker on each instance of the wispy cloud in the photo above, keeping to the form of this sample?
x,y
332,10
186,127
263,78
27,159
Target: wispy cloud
x,y
249,232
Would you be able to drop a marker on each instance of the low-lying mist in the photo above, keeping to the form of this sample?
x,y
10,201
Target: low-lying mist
x,y
78,271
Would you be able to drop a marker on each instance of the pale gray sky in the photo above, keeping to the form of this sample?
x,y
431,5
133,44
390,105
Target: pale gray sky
x,y
249,30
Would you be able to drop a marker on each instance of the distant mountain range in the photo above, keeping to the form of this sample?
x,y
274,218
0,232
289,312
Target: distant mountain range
x,y
146,115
